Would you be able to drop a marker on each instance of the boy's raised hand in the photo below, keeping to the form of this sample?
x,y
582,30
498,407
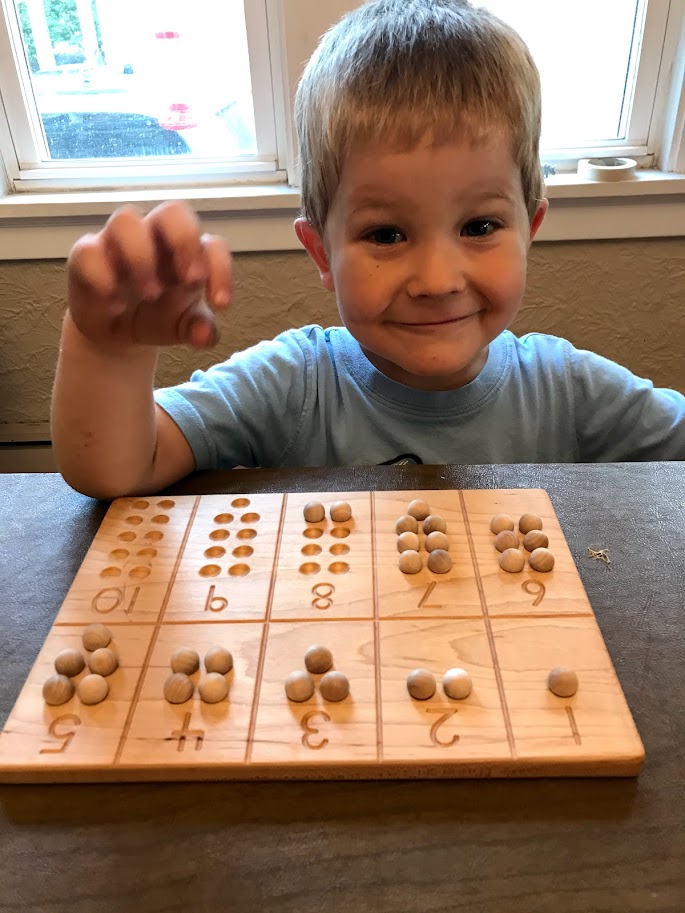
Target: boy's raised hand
x,y
149,280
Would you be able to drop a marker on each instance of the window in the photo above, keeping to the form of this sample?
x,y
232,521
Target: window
x,y
599,64
177,87
613,76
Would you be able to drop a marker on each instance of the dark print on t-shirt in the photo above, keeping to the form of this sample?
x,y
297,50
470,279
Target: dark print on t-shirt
x,y
403,460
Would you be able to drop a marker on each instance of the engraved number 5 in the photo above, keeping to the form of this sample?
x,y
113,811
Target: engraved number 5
x,y
66,737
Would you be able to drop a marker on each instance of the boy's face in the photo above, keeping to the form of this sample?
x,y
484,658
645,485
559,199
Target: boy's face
x,y
426,252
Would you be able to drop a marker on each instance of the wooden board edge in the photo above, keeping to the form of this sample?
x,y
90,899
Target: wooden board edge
x,y
620,767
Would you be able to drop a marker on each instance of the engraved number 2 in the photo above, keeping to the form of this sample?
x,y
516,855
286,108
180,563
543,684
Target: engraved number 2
x,y
437,724
310,730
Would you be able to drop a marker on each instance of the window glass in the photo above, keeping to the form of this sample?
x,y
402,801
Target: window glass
x,y
588,77
129,78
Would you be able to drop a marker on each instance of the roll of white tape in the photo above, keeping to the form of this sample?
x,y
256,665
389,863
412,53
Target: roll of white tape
x,y
609,169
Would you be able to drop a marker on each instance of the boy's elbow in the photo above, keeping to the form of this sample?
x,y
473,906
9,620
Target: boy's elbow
x,y
102,487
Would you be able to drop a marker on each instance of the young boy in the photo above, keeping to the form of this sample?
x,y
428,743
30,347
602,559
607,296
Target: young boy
x,y
418,124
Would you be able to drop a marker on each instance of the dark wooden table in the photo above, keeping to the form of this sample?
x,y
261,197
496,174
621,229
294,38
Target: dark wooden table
x,y
568,846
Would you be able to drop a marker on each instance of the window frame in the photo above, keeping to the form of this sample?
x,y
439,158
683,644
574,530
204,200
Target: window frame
x,y
21,143
257,214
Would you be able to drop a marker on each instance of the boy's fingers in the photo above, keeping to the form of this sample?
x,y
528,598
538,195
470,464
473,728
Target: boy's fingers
x,y
220,281
133,250
197,326
178,230
88,265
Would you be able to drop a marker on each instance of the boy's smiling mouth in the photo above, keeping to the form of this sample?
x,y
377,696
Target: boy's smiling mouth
x,y
441,322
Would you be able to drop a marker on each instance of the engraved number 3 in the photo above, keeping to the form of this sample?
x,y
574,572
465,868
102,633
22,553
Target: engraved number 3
x,y
310,730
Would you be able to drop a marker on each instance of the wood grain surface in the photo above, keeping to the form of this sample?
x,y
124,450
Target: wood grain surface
x,y
542,845
249,573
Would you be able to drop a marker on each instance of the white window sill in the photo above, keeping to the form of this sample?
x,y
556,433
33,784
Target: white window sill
x,y
259,217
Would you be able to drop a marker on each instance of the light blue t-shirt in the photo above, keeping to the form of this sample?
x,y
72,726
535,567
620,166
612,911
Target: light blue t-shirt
x,y
310,397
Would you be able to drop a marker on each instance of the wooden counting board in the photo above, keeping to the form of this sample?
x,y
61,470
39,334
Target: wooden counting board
x,y
248,573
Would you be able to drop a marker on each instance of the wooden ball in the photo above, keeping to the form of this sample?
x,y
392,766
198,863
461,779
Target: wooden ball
x,y
299,686
418,509
535,539
500,522
334,686
434,523
340,512
421,684
92,689
437,540
410,562
69,662
562,681
406,524
314,512
178,688
58,689
512,560
439,561
218,659
96,636
541,560
457,684
103,661
529,522
506,539
407,541
213,688
185,660
318,659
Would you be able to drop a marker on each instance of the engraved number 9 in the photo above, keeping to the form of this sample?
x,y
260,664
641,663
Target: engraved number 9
x,y
534,587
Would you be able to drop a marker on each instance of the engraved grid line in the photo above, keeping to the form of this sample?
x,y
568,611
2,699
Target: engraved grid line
x,y
155,634
488,629
265,633
376,630
573,725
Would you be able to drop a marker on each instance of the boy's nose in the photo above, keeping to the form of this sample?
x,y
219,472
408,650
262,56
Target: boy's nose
x,y
436,270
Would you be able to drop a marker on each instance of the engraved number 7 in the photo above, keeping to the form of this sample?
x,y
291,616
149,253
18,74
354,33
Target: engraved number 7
x,y
429,605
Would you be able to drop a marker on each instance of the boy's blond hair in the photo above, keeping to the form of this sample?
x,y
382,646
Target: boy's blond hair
x,y
392,71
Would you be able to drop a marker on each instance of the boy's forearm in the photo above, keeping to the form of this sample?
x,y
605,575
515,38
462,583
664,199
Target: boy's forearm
x,y
104,429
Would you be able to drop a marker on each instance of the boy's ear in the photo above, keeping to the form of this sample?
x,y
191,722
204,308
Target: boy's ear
x,y
536,221
312,242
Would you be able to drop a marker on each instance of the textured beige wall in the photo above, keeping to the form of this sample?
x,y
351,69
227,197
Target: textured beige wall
x,y
623,299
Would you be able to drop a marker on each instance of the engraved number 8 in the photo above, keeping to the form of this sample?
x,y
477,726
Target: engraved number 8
x,y
322,593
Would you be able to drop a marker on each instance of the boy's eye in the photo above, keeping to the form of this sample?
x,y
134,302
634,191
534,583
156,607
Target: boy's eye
x,y
385,235
479,228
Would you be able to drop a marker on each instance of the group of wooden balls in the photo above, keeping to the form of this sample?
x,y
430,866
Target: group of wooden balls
x,y
179,686
436,543
334,686
70,662
456,683
315,512
534,541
